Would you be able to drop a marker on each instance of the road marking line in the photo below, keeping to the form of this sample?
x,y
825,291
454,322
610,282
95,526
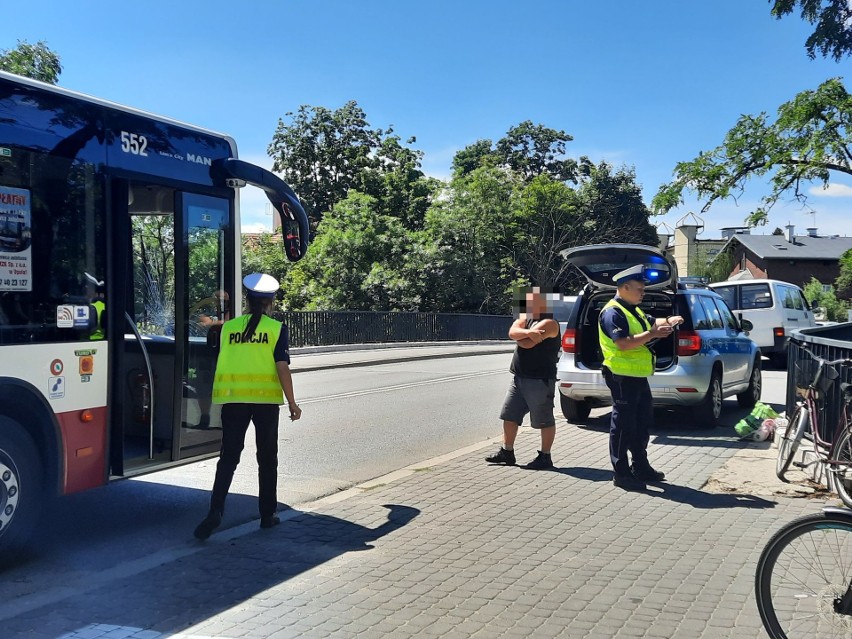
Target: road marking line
x,y
385,389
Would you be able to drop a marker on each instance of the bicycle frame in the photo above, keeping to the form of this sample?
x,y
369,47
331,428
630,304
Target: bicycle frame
x,y
823,449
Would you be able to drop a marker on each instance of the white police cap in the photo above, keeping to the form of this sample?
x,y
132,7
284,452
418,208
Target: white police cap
x,y
261,285
633,273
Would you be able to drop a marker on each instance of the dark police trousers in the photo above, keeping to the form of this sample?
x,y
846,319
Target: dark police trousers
x,y
235,422
632,416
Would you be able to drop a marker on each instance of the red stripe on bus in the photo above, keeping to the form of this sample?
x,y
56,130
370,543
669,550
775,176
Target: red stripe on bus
x,y
84,444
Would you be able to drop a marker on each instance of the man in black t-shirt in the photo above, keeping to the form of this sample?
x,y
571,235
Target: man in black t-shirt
x,y
532,390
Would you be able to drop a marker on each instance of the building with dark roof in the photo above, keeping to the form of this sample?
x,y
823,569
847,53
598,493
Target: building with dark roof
x,y
788,257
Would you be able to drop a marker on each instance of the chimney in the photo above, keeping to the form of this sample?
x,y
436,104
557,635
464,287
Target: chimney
x,y
812,231
791,233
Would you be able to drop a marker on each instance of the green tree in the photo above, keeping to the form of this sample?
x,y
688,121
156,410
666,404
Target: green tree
x,y
357,262
399,186
843,283
809,140
833,19
527,149
35,61
466,263
819,298
325,154
716,269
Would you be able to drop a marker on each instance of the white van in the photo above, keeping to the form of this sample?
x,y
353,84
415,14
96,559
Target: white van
x,y
774,308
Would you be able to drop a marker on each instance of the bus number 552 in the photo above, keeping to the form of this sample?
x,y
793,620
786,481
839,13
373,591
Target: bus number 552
x,y
134,143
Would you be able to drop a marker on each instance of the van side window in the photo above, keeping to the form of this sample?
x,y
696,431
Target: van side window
x,y
791,297
754,296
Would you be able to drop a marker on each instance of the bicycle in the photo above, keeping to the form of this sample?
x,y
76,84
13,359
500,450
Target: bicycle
x,y
803,582
834,455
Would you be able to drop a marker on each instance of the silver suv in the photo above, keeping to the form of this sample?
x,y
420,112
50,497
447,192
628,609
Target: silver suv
x,y
710,356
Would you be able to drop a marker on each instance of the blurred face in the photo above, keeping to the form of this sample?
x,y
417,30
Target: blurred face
x,y
536,305
632,292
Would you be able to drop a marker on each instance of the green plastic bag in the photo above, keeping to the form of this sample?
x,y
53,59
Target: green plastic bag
x,y
751,422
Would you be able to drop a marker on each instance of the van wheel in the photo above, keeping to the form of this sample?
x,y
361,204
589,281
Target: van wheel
x,y
710,408
751,395
575,411
21,486
779,360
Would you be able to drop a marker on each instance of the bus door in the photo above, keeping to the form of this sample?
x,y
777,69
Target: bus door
x,y
175,292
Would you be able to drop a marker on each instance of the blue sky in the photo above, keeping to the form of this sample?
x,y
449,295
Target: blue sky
x,y
639,83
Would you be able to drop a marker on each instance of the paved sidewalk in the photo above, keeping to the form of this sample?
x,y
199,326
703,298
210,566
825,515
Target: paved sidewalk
x,y
458,548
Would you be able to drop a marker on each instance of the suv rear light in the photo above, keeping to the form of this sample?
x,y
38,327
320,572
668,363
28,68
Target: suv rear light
x,y
569,340
688,343
778,331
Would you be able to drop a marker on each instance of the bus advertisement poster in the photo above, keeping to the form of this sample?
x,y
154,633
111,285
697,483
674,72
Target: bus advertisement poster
x,y
15,240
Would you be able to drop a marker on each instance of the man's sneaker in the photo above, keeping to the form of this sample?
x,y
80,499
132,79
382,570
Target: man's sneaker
x,y
627,482
646,473
269,522
541,462
208,525
502,456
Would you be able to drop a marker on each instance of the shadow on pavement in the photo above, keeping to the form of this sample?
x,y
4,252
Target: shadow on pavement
x,y
173,596
702,500
674,492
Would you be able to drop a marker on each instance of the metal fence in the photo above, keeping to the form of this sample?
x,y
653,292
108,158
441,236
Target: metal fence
x,y
320,328
827,342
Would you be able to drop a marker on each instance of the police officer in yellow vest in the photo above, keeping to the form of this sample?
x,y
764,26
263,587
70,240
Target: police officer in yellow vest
x,y
625,333
251,372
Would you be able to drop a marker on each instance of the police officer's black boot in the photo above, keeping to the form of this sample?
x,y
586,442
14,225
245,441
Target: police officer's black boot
x,y
208,525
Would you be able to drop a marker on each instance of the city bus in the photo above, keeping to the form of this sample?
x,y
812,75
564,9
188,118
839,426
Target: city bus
x,y
119,250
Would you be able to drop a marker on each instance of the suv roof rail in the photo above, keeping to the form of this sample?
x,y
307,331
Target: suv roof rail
x,y
686,285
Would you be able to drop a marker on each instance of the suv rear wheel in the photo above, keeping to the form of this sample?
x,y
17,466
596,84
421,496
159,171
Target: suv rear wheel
x,y
575,411
710,408
751,395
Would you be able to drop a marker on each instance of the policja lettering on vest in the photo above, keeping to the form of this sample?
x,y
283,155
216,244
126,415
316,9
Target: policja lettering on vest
x,y
237,338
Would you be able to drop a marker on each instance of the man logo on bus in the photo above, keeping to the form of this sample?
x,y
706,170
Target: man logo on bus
x,y
56,366
199,159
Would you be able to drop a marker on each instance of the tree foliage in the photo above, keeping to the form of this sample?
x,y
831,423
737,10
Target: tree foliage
x,y
810,139
35,61
843,283
527,149
819,298
389,238
832,36
324,154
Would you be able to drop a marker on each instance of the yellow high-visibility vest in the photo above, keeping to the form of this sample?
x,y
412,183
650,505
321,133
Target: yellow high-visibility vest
x,y
635,362
245,371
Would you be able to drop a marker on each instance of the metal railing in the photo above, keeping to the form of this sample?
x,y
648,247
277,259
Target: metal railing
x,y
827,342
321,328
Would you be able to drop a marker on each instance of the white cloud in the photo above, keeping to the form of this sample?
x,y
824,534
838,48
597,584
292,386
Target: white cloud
x,y
832,190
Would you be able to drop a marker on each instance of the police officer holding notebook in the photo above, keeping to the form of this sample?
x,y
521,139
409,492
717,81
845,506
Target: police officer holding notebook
x,y
625,332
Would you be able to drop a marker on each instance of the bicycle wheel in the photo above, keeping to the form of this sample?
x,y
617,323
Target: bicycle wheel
x,y
790,443
841,471
803,569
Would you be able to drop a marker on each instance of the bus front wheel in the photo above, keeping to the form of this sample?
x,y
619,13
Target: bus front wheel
x,y
21,485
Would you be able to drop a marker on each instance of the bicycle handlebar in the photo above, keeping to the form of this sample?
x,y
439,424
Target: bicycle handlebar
x,y
825,362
